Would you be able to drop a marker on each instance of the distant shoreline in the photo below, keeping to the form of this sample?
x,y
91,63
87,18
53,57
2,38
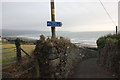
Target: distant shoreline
x,y
86,45
30,39
86,37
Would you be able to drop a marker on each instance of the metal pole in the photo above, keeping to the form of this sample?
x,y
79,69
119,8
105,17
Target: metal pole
x,y
116,30
53,18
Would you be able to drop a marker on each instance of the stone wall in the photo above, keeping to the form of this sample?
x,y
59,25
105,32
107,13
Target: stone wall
x,y
56,58
109,57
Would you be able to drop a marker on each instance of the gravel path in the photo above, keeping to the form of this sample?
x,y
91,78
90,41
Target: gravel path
x,y
90,69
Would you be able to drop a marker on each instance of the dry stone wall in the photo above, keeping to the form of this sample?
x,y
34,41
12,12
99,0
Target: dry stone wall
x,y
57,58
109,56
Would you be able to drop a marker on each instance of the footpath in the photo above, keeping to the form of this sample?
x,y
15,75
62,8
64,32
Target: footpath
x,y
90,69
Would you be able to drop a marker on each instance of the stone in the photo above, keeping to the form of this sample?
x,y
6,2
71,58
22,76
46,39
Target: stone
x,y
55,62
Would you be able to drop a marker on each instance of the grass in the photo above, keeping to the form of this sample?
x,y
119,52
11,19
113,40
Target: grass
x,y
12,52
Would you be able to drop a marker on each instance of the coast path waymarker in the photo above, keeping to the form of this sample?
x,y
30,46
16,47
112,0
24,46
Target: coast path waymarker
x,y
52,23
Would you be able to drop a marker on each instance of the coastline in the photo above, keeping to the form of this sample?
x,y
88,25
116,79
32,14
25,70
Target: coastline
x,y
86,45
13,38
4,39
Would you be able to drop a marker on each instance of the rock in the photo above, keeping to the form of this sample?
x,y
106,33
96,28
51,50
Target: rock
x,y
54,62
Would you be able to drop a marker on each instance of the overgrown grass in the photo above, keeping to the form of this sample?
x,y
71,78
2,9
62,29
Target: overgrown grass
x,y
12,52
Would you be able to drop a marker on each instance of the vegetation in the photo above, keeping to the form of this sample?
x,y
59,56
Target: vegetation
x,y
9,55
109,57
101,42
55,51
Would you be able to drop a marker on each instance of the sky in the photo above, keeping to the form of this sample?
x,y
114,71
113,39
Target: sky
x,y
75,15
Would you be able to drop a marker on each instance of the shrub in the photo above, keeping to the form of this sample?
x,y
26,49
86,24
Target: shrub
x,y
42,37
64,39
101,42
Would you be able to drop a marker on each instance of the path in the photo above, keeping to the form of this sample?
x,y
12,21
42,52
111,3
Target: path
x,y
90,69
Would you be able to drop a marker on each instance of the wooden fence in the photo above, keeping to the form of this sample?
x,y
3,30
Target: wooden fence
x,y
19,49
4,51
11,54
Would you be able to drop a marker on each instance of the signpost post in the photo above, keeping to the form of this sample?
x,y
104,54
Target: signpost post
x,y
53,18
119,17
52,23
116,30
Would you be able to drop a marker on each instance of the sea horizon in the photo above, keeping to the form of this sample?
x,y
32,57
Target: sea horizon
x,y
85,37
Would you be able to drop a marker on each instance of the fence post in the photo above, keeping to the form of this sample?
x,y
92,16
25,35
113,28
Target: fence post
x,y
18,49
37,68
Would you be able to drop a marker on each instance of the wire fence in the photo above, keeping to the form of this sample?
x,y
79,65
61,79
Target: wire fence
x,y
8,53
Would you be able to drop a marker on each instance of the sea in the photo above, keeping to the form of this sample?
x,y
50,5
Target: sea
x,y
87,37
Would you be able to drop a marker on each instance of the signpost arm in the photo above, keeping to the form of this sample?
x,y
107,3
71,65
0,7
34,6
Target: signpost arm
x,y
53,18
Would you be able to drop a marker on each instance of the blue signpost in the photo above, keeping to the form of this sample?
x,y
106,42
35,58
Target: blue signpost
x,y
52,23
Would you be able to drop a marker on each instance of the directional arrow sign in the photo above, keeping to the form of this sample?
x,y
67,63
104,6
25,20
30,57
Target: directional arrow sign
x,y
53,24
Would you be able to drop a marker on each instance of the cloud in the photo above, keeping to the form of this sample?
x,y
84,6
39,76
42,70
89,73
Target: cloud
x,y
58,0
34,15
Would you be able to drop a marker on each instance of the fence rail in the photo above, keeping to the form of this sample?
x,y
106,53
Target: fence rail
x,y
9,57
12,52
5,43
8,63
7,48
8,54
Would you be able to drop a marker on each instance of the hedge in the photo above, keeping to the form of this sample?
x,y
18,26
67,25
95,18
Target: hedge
x,y
109,38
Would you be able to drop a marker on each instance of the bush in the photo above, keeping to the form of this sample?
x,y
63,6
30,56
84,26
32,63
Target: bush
x,y
101,42
42,37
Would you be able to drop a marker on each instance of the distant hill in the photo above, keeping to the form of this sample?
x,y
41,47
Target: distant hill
x,y
14,33
6,32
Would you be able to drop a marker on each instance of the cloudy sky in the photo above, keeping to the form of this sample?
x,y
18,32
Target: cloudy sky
x,y
76,15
